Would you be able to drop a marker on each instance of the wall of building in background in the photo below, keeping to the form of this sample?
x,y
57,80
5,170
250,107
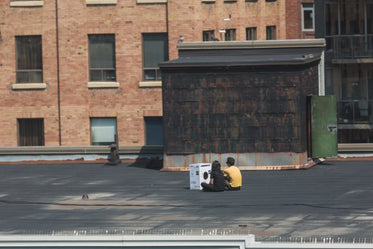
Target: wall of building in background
x,y
73,72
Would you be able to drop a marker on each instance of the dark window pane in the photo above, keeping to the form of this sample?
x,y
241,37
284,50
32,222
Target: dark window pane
x,y
154,130
109,75
208,35
102,51
29,59
95,75
251,33
308,19
102,57
29,52
155,49
230,34
22,77
149,75
31,132
271,32
36,77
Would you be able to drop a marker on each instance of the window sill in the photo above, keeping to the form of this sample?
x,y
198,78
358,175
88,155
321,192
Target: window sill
x,y
143,84
151,1
208,1
26,3
103,84
226,1
94,2
29,86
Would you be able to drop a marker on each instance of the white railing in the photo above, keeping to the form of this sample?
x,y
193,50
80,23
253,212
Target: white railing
x,y
163,241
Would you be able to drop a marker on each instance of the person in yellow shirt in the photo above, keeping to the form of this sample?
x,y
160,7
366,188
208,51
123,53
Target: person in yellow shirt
x,y
232,176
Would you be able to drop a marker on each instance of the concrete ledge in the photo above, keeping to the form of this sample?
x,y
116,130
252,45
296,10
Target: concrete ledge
x,y
29,86
143,84
26,3
100,2
103,84
67,150
151,1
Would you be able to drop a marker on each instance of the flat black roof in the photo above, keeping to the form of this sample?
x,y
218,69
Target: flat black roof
x,y
247,53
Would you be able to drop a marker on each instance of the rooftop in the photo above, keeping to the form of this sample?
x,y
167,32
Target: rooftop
x,y
328,202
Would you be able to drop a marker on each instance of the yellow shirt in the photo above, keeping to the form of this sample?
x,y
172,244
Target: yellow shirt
x,y
235,175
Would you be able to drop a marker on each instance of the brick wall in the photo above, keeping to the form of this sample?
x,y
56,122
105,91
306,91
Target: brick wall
x,y
127,20
294,20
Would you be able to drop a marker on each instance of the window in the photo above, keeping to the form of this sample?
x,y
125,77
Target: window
x,y
153,131
29,59
230,34
209,35
307,17
251,33
155,50
103,131
102,57
271,32
30,132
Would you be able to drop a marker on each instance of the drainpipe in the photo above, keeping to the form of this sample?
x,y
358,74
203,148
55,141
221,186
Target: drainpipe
x,y
58,77
167,28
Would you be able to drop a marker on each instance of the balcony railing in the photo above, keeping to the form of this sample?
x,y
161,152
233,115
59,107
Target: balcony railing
x,y
350,46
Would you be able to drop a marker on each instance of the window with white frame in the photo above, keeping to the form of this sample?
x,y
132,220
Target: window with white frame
x,y
308,21
102,57
103,131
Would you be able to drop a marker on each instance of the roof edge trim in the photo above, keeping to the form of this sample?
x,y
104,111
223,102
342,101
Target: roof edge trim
x,y
294,43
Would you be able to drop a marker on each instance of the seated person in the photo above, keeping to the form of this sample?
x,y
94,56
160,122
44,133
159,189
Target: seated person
x,y
232,176
216,179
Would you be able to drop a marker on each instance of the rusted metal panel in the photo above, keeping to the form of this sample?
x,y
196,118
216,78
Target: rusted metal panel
x,y
246,110
246,161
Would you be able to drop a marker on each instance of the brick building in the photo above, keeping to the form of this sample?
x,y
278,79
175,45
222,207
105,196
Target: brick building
x,y
76,72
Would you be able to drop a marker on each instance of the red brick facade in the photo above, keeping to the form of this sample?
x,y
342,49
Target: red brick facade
x,y
66,102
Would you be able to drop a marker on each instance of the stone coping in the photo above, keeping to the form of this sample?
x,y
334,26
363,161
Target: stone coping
x,y
63,150
294,43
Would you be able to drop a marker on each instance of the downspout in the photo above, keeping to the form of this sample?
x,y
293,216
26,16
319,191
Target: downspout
x,y
58,77
167,28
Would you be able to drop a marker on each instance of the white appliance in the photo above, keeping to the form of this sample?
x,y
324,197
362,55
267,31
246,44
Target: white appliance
x,y
199,172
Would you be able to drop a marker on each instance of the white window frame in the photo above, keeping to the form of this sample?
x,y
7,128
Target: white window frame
x,y
313,16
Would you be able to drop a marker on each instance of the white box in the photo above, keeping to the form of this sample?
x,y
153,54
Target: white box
x,y
199,172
